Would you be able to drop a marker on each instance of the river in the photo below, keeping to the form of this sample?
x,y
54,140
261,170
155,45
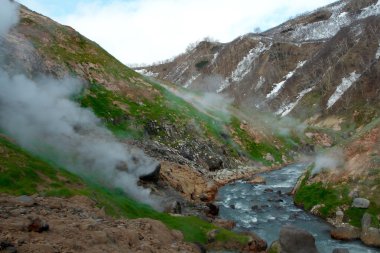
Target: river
x,y
264,209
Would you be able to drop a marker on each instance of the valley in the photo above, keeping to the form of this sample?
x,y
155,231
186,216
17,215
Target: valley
x,y
214,150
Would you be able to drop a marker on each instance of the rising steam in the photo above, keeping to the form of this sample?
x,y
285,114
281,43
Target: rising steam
x,y
328,160
42,117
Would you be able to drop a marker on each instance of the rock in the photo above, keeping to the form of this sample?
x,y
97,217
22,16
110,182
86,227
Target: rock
x,y
25,201
275,247
269,157
211,236
360,203
153,176
339,216
345,232
296,240
214,164
174,207
255,208
354,194
6,247
366,221
257,180
213,209
371,237
227,224
316,209
268,190
38,225
341,250
256,244
201,248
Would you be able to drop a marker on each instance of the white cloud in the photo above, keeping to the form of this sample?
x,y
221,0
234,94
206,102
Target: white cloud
x,y
144,31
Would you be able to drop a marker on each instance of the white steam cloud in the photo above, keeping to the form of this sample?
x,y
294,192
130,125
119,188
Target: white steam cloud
x,y
41,116
329,160
214,105
8,16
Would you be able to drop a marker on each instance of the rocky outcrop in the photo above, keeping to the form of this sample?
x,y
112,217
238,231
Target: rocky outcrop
x,y
191,184
296,240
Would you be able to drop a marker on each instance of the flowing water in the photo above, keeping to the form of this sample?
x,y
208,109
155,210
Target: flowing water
x,y
263,209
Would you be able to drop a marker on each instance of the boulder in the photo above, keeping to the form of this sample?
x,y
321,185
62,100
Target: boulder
x,y
371,237
339,216
316,209
296,240
366,221
257,180
345,232
24,201
7,247
227,224
211,236
255,244
214,163
341,250
213,209
174,207
360,203
38,225
275,247
153,176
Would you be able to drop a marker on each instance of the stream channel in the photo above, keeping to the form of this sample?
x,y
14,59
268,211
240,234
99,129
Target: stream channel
x,y
264,209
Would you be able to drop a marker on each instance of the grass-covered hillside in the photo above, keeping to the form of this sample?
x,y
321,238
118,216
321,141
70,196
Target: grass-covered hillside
x,y
136,110
24,174
130,105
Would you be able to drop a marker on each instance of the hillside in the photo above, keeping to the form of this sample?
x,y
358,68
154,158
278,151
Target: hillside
x,y
319,64
71,106
139,111
321,68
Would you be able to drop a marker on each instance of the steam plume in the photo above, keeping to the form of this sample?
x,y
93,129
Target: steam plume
x,y
330,160
41,116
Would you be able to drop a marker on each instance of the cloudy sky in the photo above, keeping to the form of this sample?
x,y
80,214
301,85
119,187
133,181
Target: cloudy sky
x,y
146,31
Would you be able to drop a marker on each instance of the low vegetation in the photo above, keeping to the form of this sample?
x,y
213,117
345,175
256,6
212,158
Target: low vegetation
x,y
331,198
24,174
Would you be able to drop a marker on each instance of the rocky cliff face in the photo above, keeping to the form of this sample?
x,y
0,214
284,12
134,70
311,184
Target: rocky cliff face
x,y
321,63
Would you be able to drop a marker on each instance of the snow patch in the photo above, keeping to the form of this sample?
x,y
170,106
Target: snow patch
x,y
342,14
191,80
286,109
326,29
260,83
214,58
372,10
278,86
244,66
146,72
323,29
225,84
342,88
377,55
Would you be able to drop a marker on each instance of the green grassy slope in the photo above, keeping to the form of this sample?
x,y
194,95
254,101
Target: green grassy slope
x,y
24,174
